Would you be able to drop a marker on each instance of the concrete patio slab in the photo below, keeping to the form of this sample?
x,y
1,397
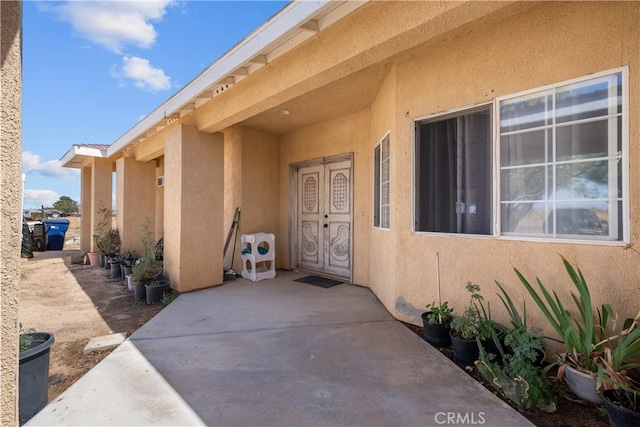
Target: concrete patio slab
x,y
104,342
277,353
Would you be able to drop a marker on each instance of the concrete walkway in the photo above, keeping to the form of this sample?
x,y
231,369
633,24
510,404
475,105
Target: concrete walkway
x,y
277,353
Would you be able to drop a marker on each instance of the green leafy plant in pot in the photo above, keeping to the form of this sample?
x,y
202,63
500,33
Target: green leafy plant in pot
x,y
106,239
518,374
147,267
436,322
466,328
617,378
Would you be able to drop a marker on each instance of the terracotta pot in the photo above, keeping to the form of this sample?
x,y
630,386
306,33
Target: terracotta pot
x,y
94,258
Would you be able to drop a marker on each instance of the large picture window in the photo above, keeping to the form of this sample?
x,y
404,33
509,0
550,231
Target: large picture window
x,y
560,168
381,192
561,161
453,173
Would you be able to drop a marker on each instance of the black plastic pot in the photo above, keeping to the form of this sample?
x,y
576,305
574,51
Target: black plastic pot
x,y
115,269
124,270
34,376
139,290
464,351
619,415
156,290
436,334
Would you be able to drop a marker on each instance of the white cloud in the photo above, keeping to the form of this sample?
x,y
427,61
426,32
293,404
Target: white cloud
x,y
44,198
144,76
114,24
51,168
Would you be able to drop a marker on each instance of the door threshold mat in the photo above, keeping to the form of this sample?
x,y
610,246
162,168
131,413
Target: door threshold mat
x,y
323,282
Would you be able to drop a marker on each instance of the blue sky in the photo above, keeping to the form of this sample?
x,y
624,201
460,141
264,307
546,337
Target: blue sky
x,y
93,69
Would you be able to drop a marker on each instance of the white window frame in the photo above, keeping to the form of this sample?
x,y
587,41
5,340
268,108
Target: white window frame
x,y
378,183
625,238
495,129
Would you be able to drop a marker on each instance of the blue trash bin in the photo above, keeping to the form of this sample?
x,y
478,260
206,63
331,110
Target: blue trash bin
x,y
56,230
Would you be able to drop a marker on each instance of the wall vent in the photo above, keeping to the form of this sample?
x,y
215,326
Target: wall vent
x,y
161,181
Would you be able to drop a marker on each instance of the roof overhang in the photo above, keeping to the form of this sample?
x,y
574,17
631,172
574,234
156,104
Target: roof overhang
x,y
73,158
294,24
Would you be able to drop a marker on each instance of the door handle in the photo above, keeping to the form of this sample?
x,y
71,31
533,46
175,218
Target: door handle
x,y
326,216
326,225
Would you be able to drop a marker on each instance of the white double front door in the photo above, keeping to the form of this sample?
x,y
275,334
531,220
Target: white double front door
x,y
324,216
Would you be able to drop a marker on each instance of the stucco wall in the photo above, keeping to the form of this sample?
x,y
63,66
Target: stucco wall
x,y
136,195
193,213
382,251
547,44
10,202
260,169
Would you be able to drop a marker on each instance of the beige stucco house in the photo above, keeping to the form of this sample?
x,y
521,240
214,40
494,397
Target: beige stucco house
x,y
373,138
10,203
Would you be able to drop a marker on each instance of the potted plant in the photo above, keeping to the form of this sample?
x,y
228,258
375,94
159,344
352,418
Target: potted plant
x,y
437,324
115,262
466,328
617,378
128,259
143,272
518,374
106,239
33,373
156,289
147,267
592,360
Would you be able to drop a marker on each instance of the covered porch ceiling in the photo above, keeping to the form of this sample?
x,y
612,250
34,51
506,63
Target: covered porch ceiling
x,y
345,96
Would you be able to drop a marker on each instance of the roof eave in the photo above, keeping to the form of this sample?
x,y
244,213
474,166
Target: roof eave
x,y
73,158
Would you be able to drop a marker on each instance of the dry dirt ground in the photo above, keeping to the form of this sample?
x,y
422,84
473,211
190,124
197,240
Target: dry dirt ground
x,y
75,302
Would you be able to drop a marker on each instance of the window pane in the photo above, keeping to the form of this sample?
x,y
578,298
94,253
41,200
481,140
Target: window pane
x,y
381,197
584,180
581,219
376,186
453,174
524,183
593,98
385,148
385,171
385,193
582,141
525,148
525,218
563,179
525,112
385,216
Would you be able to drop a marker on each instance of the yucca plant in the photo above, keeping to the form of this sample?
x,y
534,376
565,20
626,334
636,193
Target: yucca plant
x,y
582,336
588,345
617,361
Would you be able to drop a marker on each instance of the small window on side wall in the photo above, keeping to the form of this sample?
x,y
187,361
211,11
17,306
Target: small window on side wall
x,y
381,190
453,169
